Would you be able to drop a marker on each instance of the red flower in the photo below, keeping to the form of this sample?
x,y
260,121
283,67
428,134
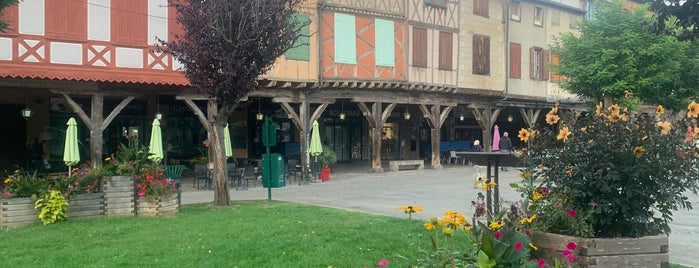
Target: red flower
x,y
572,246
527,232
541,263
498,235
518,245
572,213
383,262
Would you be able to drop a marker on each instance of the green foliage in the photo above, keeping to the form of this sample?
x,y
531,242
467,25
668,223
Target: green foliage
x,y
678,13
616,56
130,159
52,207
328,157
22,183
623,174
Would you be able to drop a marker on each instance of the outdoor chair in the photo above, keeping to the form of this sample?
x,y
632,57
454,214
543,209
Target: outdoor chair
x,y
233,175
456,158
250,175
202,175
174,173
292,169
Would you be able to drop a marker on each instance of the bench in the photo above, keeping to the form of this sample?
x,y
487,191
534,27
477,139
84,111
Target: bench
x,y
395,165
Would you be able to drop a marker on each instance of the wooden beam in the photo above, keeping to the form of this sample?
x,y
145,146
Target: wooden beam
x,y
78,110
115,112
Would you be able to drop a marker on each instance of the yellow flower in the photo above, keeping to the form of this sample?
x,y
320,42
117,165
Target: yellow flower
x,y
521,153
523,135
665,127
17,171
468,228
429,226
7,180
598,111
107,159
525,175
448,231
417,208
693,109
638,151
536,196
533,246
660,110
433,220
563,134
583,129
552,118
497,224
614,109
528,220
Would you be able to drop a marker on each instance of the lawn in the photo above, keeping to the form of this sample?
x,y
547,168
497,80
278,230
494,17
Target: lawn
x,y
246,234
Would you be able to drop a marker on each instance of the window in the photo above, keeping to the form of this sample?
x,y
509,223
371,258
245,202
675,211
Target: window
x,y
538,58
419,47
437,3
538,16
128,19
445,50
67,19
301,49
480,7
481,54
515,60
554,76
385,55
515,9
555,18
345,43
573,23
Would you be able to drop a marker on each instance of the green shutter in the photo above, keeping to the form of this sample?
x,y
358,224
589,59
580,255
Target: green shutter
x,y
345,43
301,50
384,43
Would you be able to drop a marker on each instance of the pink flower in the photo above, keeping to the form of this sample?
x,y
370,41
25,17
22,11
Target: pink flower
x,y
572,246
518,245
567,253
541,263
527,232
571,258
383,262
593,204
498,234
572,213
141,194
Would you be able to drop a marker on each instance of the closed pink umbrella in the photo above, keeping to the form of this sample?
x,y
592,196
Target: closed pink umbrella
x,y
496,139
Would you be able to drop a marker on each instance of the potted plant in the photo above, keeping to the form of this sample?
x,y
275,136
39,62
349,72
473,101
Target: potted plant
x,y
326,158
610,174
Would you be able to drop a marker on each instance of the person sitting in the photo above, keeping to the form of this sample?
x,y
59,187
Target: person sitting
x,y
477,146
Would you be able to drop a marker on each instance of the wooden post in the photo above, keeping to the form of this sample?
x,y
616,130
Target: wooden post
x,y
486,119
435,117
376,117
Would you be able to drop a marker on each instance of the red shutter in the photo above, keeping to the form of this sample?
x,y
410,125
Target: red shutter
x,y
10,16
66,19
419,47
515,60
129,22
554,75
545,67
445,50
481,54
480,7
532,63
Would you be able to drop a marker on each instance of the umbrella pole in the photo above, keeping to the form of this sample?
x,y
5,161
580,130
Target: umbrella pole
x,y
69,171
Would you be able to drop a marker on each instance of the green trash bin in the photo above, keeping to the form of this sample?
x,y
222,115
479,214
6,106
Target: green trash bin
x,y
276,173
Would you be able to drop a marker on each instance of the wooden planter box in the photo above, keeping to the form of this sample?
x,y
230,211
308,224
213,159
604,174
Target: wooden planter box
x,y
16,212
648,251
119,196
86,206
157,207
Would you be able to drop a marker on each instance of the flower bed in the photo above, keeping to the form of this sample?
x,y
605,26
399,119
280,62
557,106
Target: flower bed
x,y
157,207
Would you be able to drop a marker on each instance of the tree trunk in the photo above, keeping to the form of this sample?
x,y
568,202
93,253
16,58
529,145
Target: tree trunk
x,y
217,148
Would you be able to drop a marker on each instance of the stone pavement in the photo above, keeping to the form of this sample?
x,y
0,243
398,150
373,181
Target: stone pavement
x,y
353,187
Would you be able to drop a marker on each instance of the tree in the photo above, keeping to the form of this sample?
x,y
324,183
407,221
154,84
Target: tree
x,y
683,14
616,57
225,47
3,5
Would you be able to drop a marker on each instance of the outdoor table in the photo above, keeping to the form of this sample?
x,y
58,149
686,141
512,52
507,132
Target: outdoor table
x,y
493,160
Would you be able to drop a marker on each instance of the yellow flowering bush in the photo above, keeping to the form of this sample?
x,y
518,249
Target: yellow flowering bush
x,y
612,172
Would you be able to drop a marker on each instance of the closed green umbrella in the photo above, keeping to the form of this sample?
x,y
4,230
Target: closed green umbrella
x,y
156,142
227,141
316,147
71,154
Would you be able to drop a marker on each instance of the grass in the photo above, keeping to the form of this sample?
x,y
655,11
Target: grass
x,y
246,234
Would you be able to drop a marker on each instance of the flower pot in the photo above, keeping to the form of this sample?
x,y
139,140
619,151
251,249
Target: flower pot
x,y
648,251
324,174
154,207
16,212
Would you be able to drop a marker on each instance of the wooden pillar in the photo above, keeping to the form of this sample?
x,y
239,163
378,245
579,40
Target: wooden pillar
x,y
530,115
435,117
486,116
376,117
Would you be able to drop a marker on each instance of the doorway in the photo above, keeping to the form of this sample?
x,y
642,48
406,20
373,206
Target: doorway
x,y
13,153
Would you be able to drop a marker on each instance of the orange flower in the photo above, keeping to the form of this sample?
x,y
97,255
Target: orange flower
x,y
665,127
638,151
693,109
660,110
598,111
614,108
569,172
613,117
524,135
563,134
552,118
